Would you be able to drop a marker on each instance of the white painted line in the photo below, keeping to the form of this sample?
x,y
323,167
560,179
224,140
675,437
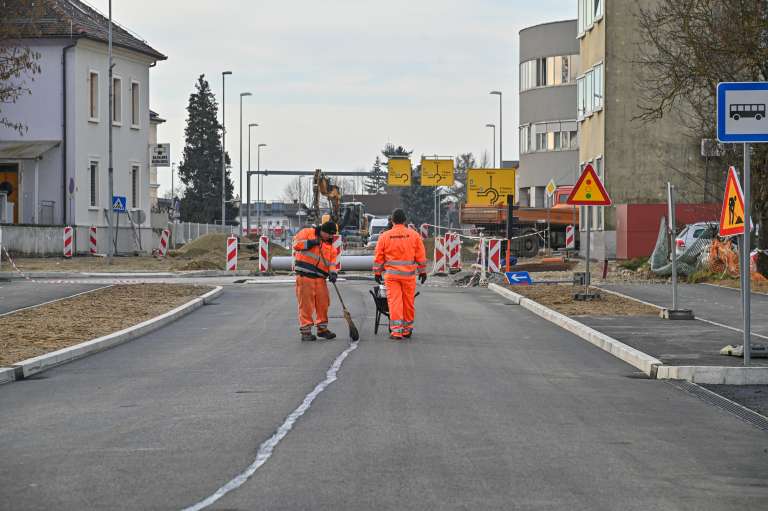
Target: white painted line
x,y
734,288
267,447
54,301
731,328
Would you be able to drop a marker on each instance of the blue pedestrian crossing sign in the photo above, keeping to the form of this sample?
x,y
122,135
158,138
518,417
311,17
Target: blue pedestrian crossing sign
x,y
519,278
119,203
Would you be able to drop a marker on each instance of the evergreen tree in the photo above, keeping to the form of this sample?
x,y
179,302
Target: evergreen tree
x,y
200,170
376,182
418,201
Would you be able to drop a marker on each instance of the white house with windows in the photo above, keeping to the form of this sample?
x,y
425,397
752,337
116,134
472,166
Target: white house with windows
x,y
56,171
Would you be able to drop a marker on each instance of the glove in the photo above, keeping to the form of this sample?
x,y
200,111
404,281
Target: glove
x,y
378,279
313,243
422,277
332,277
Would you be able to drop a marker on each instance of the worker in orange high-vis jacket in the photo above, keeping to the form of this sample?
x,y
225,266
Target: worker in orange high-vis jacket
x,y
400,257
314,260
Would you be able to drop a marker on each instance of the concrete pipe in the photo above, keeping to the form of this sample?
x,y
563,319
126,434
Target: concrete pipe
x,y
348,263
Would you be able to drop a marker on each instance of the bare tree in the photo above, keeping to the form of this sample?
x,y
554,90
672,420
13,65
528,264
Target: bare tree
x,y
18,62
688,47
298,190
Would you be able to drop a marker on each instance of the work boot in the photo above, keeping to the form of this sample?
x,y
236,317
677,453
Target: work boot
x,y
307,336
408,334
325,334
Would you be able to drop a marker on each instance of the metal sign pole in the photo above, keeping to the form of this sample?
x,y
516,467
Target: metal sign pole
x,y
588,276
745,288
671,226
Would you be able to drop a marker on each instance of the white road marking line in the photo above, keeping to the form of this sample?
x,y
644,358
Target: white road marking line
x,y
267,447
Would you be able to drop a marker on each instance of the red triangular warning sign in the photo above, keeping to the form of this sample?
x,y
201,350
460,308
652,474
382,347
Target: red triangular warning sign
x,y
732,215
589,190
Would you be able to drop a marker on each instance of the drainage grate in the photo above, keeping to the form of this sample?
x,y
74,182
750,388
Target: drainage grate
x,y
723,403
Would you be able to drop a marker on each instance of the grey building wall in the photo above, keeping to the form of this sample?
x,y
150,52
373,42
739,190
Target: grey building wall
x,y
550,103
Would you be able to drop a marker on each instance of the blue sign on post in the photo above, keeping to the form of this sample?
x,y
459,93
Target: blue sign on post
x,y
519,278
741,112
119,203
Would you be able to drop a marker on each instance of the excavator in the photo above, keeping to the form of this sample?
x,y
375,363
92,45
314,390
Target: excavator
x,y
349,216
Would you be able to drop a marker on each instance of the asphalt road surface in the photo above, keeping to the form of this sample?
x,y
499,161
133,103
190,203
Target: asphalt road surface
x,y
18,294
488,407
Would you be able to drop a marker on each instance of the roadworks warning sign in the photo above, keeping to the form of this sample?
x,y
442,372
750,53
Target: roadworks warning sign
x,y
732,214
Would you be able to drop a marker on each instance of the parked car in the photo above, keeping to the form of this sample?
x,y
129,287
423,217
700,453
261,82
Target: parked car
x,y
371,245
693,232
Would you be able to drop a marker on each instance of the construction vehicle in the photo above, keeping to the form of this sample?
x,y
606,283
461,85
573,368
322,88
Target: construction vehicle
x,y
349,216
493,221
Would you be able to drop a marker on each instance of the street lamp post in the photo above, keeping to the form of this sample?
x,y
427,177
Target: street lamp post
x,y
490,125
258,180
248,181
240,218
223,150
501,134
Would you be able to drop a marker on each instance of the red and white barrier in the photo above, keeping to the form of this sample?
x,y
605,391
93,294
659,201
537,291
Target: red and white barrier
x,y
92,240
494,256
570,237
455,251
263,254
68,232
232,253
162,250
441,255
424,231
338,244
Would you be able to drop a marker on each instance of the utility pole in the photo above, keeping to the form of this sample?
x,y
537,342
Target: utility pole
x,y
110,179
501,134
240,213
490,125
224,149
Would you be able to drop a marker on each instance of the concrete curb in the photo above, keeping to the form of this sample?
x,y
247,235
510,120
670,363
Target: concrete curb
x,y
715,375
646,363
35,365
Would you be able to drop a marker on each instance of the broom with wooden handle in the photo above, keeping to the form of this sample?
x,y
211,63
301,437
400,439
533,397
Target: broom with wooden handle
x,y
353,333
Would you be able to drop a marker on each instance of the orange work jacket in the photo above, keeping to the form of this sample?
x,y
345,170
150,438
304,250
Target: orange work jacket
x,y
400,253
316,261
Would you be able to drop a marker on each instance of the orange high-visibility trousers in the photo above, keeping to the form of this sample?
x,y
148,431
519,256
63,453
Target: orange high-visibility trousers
x,y
400,298
312,295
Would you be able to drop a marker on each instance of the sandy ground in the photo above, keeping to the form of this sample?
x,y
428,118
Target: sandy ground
x,y
206,253
47,328
560,298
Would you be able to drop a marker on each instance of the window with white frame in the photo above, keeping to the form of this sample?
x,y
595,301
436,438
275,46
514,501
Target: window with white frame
x,y
548,71
117,101
93,96
93,180
548,136
135,102
589,12
590,91
135,180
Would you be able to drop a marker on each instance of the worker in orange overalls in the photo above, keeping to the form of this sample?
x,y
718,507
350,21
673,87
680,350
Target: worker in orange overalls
x,y
314,259
400,257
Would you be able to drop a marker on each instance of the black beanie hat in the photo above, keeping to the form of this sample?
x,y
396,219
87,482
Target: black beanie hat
x,y
329,227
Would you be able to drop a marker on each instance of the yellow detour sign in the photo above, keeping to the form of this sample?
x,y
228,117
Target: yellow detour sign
x,y
399,172
732,214
436,172
589,190
490,187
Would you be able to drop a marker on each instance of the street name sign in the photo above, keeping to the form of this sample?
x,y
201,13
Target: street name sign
x,y
119,204
589,190
732,214
519,278
399,172
741,112
436,172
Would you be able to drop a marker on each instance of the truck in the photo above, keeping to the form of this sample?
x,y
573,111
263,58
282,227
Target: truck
x,y
493,221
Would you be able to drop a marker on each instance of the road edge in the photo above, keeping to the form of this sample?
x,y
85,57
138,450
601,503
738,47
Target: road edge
x,y
35,365
634,357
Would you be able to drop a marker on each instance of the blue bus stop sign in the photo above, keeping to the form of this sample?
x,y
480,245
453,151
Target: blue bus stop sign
x,y
741,112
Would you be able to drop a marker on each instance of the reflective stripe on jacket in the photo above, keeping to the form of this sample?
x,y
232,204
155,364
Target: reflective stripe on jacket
x,y
400,253
316,261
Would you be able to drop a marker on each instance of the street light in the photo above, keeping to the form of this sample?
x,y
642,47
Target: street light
x,y
501,153
223,150
490,125
248,187
260,191
240,211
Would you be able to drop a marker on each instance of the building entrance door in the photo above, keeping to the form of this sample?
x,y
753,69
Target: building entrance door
x,y
9,183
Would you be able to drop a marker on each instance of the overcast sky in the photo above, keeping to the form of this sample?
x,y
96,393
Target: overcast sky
x,y
335,80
